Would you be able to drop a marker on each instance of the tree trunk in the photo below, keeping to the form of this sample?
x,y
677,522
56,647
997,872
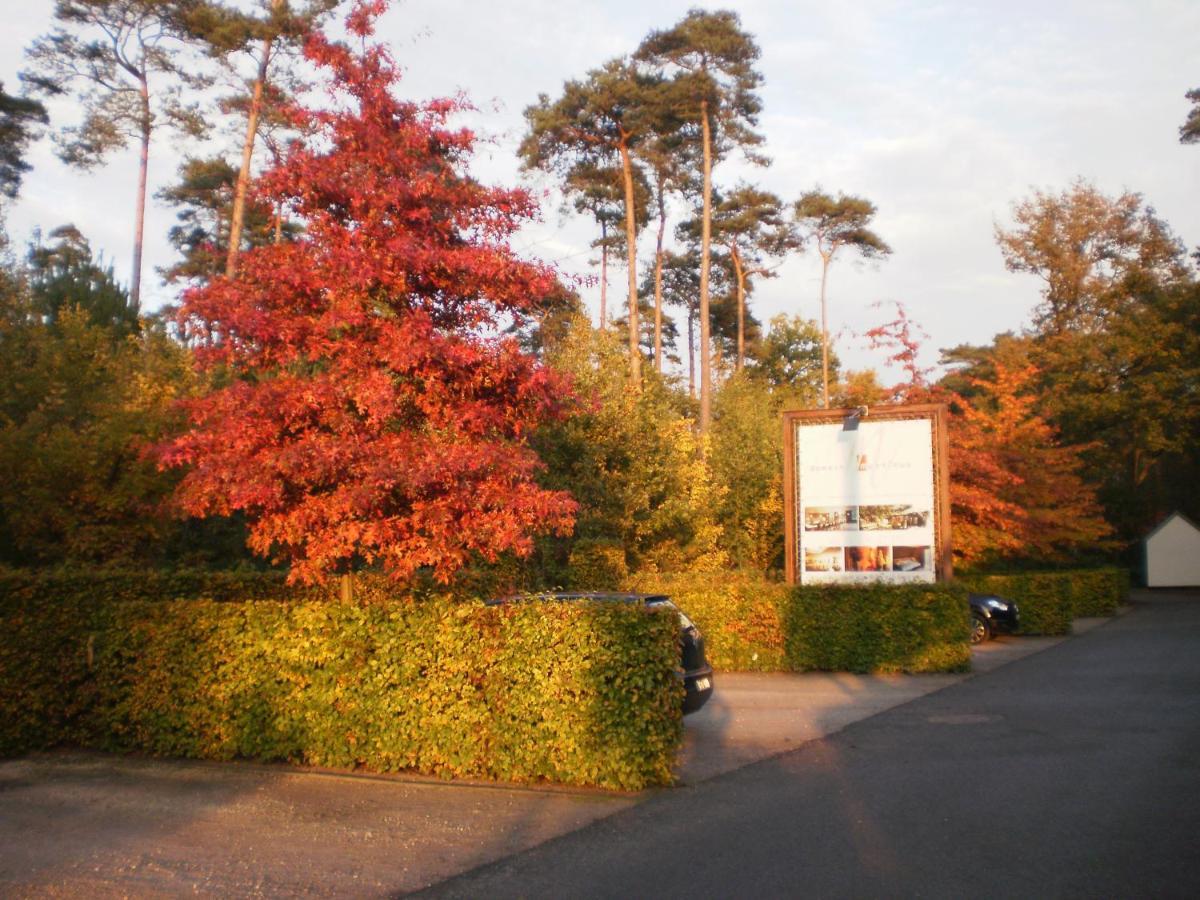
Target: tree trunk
x,y
824,336
238,218
635,349
741,306
691,350
658,264
346,587
705,239
603,275
139,225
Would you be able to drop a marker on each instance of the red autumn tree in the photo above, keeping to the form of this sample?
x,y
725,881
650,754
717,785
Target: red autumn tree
x,y
370,411
901,340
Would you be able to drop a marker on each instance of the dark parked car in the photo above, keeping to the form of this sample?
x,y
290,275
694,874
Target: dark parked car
x,y
990,615
694,670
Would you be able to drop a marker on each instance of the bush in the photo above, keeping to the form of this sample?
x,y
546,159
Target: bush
x,y
1097,592
1050,600
108,585
572,693
596,565
631,459
1043,598
752,624
878,628
740,614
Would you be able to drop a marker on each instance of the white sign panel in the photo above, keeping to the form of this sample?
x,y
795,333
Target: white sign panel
x,y
866,510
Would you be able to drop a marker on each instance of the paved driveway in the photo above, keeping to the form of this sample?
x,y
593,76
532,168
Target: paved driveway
x,y
1072,773
756,716
82,824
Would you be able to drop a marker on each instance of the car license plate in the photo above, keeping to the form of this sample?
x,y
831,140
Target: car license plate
x,y
703,684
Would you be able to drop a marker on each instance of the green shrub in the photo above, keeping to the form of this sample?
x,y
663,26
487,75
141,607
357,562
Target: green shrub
x,y
1044,598
878,628
597,566
740,614
1050,600
1097,592
572,693
752,624
107,585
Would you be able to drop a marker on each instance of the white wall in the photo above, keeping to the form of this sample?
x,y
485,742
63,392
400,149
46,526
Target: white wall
x,y
1173,555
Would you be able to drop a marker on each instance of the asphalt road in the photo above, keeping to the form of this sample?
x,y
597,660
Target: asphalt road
x,y
1071,773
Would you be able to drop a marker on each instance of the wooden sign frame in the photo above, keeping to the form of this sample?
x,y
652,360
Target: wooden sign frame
x,y
794,419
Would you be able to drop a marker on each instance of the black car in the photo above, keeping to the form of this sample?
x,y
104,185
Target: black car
x,y
694,670
990,615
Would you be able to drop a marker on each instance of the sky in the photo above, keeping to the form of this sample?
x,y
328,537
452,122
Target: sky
x,y
943,114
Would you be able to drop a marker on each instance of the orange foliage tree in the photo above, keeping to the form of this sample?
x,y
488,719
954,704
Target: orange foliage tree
x,y
371,410
1057,514
1016,492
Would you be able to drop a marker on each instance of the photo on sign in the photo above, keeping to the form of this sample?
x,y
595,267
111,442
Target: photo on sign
x,y
823,559
831,518
912,559
868,559
893,517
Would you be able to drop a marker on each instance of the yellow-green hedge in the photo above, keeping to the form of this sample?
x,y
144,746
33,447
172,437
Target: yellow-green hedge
x,y
753,624
1042,597
1098,592
740,614
1049,601
106,585
573,693
879,628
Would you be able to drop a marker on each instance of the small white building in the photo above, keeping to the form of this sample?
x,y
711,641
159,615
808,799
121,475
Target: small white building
x,y
1173,553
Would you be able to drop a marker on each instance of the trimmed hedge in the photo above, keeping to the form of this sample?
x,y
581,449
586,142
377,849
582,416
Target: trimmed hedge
x,y
1042,597
751,624
741,615
879,628
573,693
109,585
1098,592
1049,601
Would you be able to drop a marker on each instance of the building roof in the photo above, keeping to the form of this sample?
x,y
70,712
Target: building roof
x,y
1167,521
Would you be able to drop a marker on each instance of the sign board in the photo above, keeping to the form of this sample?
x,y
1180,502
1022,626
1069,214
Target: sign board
x,y
867,496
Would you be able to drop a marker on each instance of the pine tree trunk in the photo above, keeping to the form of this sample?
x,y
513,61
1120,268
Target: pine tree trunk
x,y
824,336
658,300
635,350
691,350
741,307
238,218
603,275
705,239
139,225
